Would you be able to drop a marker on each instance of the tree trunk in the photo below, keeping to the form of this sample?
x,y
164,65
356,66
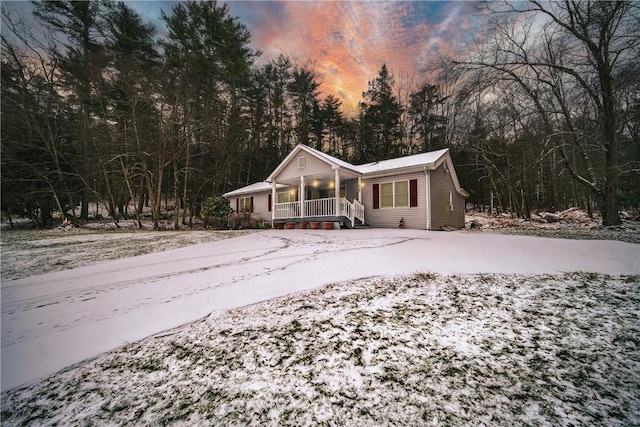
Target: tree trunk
x,y
125,174
176,197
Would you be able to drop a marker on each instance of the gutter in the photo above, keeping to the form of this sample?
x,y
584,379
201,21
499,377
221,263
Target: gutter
x,y
427,179
396,171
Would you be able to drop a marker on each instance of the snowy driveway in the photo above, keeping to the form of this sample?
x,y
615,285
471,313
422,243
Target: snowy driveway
x,y
58,319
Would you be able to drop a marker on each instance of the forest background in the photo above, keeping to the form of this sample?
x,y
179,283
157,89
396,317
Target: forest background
x,y
541,110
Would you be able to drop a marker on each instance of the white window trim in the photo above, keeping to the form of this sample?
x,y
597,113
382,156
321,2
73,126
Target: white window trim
x,y
450,201
394,194
302,162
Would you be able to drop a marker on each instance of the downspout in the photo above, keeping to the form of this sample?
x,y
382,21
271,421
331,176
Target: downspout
x,y
273,202
427,179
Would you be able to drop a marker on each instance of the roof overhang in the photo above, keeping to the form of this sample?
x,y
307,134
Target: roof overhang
x,y
372,170
258,187
445,157
452,171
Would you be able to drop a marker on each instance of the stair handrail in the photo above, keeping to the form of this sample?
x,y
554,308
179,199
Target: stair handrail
x,y
358,210
347,210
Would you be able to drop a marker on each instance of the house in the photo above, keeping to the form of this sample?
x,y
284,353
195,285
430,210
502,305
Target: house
x,y
419,191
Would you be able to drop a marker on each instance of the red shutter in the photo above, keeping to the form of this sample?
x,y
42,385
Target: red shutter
x,y
251,203
413,193
238,205
270,202
376,196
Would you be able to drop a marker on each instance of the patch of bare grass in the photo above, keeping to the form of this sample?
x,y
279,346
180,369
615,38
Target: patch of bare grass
x,y
417,350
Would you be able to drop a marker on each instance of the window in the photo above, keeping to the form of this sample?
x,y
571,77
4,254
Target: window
x,y
450,201
393,194
402,194
286,196
386,195
245,204
302,162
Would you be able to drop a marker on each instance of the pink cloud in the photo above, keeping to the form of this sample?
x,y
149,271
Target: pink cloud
x,y
349,41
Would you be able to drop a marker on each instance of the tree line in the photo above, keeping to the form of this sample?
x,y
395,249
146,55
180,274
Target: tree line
x,y
102,110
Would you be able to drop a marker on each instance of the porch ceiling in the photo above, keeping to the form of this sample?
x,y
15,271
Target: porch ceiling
x,y
321,177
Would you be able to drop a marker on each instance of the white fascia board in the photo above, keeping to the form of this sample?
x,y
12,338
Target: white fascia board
x,y
397,171
284,163
258,187
452,172
326,158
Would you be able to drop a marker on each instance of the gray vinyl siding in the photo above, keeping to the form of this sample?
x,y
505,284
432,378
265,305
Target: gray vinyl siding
x,y
260,204
441,216
351,189
415,217
314,166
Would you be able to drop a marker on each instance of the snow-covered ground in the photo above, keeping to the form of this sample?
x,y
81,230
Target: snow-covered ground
x,y
572,223
56,320
32,251
422,349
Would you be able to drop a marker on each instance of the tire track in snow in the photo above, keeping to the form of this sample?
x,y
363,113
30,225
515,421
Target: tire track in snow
x,y
80,300
86,290
316,253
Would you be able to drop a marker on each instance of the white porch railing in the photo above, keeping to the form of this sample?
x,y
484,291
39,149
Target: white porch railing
x,y
320,208
287,210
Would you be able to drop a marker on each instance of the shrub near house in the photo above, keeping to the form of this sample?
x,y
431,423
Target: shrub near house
x,y
215,211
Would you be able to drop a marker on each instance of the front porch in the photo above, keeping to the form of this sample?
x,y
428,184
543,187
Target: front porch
x,y
320,210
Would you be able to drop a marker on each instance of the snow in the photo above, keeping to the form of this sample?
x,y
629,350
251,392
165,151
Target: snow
x,y
55,320
417,160
421,349
30,252
572,223
423,159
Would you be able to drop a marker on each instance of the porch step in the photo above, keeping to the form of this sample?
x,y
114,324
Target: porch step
x,y
359,226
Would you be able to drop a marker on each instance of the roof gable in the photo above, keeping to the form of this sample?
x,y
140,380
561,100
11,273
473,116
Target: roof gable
x,y
326,158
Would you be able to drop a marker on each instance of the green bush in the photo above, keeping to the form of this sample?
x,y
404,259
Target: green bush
x,y
215,211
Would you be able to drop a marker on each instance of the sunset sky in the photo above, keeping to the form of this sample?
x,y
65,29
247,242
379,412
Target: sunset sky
x,y
347,41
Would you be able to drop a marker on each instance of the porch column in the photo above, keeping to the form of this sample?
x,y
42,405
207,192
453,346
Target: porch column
x,y
337,192
302,213
360,189
273,201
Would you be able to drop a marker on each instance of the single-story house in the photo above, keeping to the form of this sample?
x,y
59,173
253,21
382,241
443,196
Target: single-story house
x,y
419,191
